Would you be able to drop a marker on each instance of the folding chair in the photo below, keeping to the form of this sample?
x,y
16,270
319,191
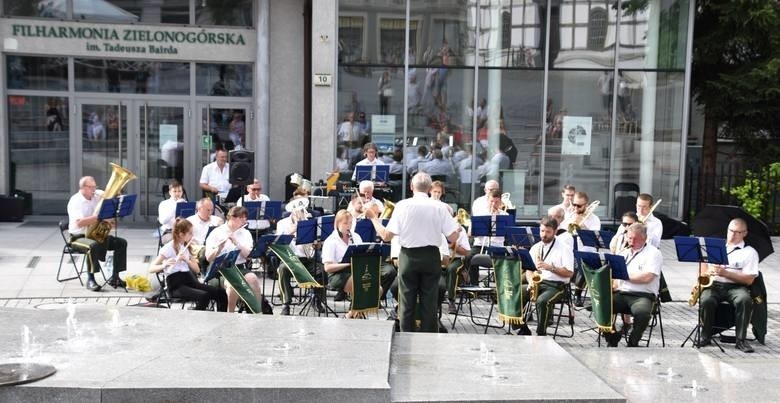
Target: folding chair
x,y
565,301
70,251
164,296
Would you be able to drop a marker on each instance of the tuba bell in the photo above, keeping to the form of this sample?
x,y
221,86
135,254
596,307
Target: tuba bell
x,y
388,210
464,218
119,178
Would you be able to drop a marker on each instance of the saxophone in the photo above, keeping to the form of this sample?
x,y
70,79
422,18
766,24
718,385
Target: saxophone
x,y
119,178
536,278
704,281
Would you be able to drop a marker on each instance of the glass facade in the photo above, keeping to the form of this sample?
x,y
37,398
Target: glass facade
x,y
130,76
534,94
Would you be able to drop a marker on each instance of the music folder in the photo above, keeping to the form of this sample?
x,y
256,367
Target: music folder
x,y
314,229
226,259
523,236
119,206
269,210
596,239
185,209
262,243
617,264
374,173
490,225
701,250
591,259
521,254
381,249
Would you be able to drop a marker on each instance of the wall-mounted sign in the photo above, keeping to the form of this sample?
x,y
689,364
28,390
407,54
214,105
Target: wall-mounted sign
x,y
129,41
383,124
322,80
576,135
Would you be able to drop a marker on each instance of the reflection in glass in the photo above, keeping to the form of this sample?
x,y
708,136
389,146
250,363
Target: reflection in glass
x,y
37,73
234,13
34,8
103,137
38,140
511,34
572,156
153,12
371,34
234,80
446,34
661,47
226,127
582,34
99,10
162,145
351,46
130,76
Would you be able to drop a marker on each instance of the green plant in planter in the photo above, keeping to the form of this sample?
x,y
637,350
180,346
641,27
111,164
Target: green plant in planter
x,y
755,191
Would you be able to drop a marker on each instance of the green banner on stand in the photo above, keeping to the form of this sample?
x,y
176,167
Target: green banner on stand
x,y
509,280
235,278
365,283
298,270
600,286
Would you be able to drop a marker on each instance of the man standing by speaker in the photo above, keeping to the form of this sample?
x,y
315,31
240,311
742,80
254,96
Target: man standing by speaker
x,y
215,176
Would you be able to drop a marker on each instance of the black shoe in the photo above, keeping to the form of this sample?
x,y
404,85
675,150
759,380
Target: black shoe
x,y
319,307
452,308
117,282
578,302
340,296
266,307
285,310
704,342
524,331
442,328
92,285
613,339
744,346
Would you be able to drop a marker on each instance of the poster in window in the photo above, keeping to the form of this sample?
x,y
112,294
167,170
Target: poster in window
x,y
576,135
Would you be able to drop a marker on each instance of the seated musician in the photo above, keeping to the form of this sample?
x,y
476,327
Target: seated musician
x,y
617,245
179,266
215,176
305,253
231,236
366,200
581,219
731,284
202,221
453,259
166,210
370,151
254,194
81,215
333,250
637,295
493,207
554,262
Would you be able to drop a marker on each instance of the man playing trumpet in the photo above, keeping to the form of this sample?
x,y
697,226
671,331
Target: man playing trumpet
x,y
554,262
731,284
637,295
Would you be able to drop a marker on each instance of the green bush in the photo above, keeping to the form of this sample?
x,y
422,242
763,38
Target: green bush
x,y
754,193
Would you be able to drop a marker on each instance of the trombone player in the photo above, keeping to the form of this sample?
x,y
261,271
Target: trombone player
x,y
365,200
731,284
554,262
644,212
81,215
584,217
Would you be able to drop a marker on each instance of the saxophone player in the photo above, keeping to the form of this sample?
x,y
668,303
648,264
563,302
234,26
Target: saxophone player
x,y
582,220
731,284
554,262
82,214
644,212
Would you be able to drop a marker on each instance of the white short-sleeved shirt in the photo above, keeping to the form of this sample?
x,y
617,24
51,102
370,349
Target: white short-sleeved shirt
x,y
218,178
647,259
419,221
655,230
333,248
166,212
220,233
79,207
200,228
251,223
168,252
284,227
742,259
593,223
557,253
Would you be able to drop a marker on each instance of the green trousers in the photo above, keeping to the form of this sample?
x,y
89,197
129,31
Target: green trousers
x,y
418,276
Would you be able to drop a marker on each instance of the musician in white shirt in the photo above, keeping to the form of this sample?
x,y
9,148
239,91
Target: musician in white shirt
x,y
255,194
333,250
370,151
493,207
166,210
582,220
215,176
655,228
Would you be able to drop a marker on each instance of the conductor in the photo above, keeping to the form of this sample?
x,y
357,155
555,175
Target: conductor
x,y
419,222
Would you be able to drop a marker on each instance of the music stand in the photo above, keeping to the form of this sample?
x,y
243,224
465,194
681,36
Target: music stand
x,y
490,226
185,209
700,250
114,209
525,237
308,232
262,210
592,259
382,249
596,239
261,246
226,259
617,265
373,173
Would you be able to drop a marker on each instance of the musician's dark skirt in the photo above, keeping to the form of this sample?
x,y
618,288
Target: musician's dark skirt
x,y
337,280
184,285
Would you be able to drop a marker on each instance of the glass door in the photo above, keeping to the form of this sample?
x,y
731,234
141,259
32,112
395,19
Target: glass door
x,y
223,127
161,145
102,128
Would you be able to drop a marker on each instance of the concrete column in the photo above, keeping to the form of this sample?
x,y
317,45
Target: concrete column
x,y
323,98
649,95
262,91
493,22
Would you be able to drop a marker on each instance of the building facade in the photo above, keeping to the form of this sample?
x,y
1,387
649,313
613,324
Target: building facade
x,y
535,94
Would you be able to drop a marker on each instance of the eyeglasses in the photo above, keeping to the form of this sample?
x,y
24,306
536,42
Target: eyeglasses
x,y
255,189
577,205
737,232
626,224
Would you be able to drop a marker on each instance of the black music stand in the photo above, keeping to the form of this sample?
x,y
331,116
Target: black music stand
x,y
524,237
185,209
521,254
366,230
114,209
596,239
373,173
224,260
700,250
263,210
617,265
313,231
490,226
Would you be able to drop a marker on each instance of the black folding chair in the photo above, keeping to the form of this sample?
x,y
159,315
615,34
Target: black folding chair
x,y
67,249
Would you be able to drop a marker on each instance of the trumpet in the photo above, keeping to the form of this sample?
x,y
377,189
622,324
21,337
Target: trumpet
x,y
642,219
576,225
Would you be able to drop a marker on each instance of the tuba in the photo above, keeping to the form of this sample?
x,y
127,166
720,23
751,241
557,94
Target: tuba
x,y
576,225
388,210
119,178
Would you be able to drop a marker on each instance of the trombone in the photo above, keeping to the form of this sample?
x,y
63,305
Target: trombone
x,y
642,219
576,225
